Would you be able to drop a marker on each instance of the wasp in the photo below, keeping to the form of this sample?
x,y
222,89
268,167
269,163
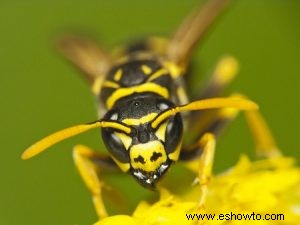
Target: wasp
x,y
144,108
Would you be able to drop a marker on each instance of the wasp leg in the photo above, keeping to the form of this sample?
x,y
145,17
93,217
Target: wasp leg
x,y
215,124
225,71
89,163
263,138
217,121
264,141
205,145
203,167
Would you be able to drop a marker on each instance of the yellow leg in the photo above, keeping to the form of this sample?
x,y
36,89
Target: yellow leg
x,y
208,143
85,160
203,167
264,141
213,123
225,71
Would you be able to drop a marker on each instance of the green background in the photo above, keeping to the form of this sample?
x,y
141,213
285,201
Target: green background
x,y
41,93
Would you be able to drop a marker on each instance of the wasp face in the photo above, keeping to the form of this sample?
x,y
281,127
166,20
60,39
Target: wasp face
x,y
149,161
145,153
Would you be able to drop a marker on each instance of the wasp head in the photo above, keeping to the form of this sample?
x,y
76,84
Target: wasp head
x,y
146,153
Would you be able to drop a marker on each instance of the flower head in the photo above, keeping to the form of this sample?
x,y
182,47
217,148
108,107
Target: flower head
x,y
262,192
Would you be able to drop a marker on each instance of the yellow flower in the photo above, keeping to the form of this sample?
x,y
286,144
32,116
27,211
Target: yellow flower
x,y
264,192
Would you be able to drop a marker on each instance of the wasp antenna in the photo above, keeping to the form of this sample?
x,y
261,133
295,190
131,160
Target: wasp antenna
x,y
192,30
211,103
115,125
56,137
61,135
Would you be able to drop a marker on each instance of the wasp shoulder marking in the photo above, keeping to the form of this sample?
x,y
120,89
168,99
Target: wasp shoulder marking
x,y
135,76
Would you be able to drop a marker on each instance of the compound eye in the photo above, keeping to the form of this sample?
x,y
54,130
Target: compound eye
x,y
173,133
115,145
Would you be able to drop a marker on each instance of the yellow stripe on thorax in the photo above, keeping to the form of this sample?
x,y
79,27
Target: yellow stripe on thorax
x,y
174,69
146,87
110,84
118,75
157,74
96,87
146,69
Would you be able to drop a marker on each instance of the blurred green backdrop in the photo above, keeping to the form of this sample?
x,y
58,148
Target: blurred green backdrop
x,y
41,93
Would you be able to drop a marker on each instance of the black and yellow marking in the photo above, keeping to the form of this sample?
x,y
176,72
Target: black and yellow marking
x,y
127,91
118,75
146,69
141,91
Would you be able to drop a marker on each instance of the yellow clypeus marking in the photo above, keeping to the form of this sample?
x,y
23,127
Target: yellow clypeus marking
x,y
145,152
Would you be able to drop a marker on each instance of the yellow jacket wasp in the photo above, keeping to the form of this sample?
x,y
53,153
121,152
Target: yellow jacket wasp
x,y
144,108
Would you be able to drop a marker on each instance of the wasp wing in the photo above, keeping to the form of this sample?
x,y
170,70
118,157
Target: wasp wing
x,y
192,30
85,54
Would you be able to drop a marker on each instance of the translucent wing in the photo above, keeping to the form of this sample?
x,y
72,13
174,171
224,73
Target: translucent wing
x,y
85,54
192,30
